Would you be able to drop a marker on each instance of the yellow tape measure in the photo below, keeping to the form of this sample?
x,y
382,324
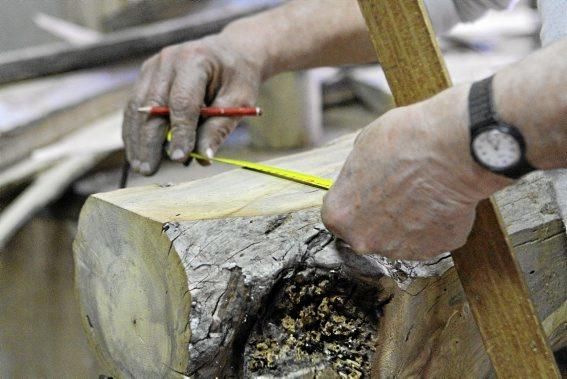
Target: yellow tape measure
x,y
294,176
299,177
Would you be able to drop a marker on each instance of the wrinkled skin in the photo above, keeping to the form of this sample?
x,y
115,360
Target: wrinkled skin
x,y
186,77
409,188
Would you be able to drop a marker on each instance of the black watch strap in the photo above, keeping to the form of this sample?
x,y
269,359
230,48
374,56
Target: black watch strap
x,y
482,116
481,111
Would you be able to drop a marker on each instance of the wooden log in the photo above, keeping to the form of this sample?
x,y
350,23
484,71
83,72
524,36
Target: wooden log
x,y
119,46
236,274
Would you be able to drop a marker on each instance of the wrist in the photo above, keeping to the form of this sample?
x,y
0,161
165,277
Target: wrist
x,y
531,96
447,115
537,116
243,36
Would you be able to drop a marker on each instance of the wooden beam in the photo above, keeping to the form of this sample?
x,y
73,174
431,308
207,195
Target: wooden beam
x,y
148,11
39,112
512,334
48,187
119,46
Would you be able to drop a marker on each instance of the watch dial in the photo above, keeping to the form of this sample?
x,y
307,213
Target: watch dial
x,y
497,149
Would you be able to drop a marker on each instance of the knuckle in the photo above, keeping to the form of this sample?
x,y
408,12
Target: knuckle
x,y
183,118
360,245
131,108
333,217
149,64
155,99
221,128
362,134
238,99
183,132
168,52
198,47
181,103
458,242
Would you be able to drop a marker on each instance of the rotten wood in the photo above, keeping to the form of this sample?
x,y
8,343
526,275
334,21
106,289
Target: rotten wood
x,y
513,336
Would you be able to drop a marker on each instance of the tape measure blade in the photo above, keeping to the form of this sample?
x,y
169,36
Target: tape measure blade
x,y
311,180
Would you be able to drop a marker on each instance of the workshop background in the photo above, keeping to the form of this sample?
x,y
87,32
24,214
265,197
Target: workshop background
x,y
40,331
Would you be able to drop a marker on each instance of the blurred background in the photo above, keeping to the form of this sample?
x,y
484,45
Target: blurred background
x,y
66,68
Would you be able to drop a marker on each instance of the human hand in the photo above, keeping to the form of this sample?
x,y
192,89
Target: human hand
x,y
185,77
409,188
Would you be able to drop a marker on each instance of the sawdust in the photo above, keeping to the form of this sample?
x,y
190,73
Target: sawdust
x,y
319,321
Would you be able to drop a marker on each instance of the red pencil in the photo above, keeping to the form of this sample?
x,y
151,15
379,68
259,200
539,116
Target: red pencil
x,y
208,111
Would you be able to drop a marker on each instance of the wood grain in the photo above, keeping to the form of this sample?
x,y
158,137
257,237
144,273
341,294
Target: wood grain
x,y
494,285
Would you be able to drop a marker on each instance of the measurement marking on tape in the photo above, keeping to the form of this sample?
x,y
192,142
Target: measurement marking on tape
x,y
299,177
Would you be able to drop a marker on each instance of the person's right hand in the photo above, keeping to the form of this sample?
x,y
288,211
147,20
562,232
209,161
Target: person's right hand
x,y
186,77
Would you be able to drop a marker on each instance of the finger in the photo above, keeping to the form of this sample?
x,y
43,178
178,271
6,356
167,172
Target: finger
x,y
133,119
153,132
215,130
185,99
212,134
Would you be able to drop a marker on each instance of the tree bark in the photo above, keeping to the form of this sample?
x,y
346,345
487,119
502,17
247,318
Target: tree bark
x,y
235,275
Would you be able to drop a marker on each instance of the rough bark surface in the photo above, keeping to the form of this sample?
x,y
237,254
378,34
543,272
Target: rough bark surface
x,y
235,275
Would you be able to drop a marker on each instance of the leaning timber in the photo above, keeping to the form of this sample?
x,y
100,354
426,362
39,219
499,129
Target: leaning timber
x,y
236,275
38,112
123,45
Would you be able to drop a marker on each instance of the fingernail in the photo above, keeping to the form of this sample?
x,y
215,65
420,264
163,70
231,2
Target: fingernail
x,y
209,153
136,164
145,168
177,155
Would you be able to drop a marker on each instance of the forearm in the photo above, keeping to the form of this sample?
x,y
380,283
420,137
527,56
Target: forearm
x,y
304,34
532,95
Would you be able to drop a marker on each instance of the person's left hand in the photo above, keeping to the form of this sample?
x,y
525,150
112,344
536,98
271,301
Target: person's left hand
x,y
409,188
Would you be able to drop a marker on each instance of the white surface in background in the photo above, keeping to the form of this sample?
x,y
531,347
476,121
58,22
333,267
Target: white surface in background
x,y
74,34
101,136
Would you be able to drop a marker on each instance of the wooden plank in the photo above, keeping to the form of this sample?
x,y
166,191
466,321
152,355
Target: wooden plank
x,y
39,112
147,11
511,331
48,187
127,44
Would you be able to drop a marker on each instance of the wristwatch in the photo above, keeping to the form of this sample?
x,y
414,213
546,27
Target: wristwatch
x,y
495,145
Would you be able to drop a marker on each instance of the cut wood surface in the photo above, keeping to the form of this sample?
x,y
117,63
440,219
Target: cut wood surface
x,y
182,279
124,45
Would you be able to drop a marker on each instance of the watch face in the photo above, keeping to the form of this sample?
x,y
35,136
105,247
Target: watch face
x,y
496,149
